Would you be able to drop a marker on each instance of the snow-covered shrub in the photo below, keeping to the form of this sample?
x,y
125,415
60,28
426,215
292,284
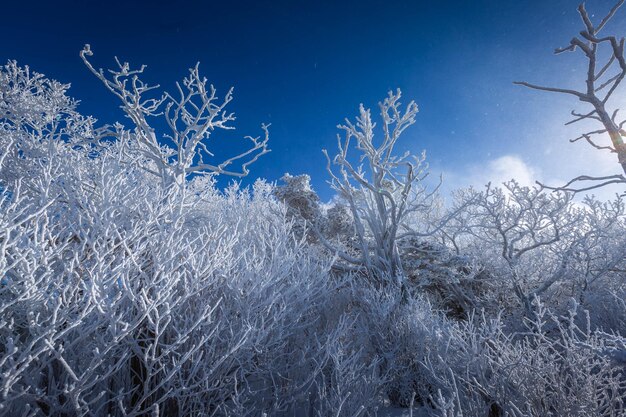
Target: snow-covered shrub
x,y
397,330
122,296
147,306
516,229
553,368
382,195
599,265
532,243
303,204
338,226
350,380
457,284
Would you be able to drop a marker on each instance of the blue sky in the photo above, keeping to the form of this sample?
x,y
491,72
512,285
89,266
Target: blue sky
x,y
304,66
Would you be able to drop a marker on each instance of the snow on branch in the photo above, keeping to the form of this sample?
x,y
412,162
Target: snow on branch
x,y
383,190
191,115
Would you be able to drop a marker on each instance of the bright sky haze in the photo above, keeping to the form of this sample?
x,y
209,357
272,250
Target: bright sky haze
x,y
305,66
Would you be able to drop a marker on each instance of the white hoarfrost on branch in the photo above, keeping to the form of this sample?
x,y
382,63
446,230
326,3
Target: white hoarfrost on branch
x,y
383,190
192,116
130,286
539,243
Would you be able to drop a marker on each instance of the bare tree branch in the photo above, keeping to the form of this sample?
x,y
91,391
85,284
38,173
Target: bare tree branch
x,y
596,81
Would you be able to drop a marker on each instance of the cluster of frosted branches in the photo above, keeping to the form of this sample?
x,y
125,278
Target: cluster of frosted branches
x,y
192,115
541,243
555,367
381,197
122,295
382,190
497,250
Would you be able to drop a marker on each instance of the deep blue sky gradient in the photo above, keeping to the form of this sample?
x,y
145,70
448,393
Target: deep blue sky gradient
x,y
304,66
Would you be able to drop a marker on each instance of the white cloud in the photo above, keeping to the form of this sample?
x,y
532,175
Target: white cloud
x,y
508,167
550,168
496,171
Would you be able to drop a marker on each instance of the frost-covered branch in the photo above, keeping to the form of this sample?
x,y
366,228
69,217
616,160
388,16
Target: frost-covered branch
x,y
382,194
192,115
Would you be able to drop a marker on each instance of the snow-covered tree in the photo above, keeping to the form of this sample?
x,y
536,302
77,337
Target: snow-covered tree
x,y
383,190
